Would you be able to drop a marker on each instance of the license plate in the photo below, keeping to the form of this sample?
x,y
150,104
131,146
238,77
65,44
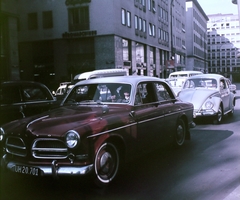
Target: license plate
x,y
27,170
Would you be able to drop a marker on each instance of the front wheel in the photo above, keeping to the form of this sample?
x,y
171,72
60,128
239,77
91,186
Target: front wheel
x,y
180,134
106,164
218,118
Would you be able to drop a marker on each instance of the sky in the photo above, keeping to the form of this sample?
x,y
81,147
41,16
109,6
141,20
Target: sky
x,y
218,6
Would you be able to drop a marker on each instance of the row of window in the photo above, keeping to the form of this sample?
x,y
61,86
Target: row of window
x,y
224,18
222,48
78,19
199,41
223,54
141,25
198,29
199,18
228,27
218,69
224,63
224,44
215,34
199,52
47,20
223,39
162,10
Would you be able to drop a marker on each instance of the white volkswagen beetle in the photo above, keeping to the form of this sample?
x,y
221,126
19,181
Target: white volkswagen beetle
x,y
211,95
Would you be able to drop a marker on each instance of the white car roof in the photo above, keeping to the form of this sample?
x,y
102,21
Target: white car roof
x,y
120,79
101,73
216,76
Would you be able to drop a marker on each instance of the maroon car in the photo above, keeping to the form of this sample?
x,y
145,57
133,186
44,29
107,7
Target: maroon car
x,y
101,124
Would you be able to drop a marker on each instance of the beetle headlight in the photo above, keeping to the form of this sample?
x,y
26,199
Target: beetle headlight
x,y
2,133
209,104
72,139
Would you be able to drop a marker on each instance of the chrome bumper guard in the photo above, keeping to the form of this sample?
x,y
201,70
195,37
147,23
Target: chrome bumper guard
x,y
54,169
204,113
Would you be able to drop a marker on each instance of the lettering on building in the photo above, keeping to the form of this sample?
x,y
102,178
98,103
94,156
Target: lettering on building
x,y
79,34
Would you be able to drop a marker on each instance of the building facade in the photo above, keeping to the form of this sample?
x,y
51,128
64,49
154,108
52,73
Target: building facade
x,y
224,45
196,25
58,39
9,58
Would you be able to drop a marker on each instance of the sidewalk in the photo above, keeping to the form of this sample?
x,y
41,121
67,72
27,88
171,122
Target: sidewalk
x,y
234,195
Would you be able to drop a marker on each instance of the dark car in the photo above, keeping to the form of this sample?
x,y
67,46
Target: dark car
x,y
20,99
101,124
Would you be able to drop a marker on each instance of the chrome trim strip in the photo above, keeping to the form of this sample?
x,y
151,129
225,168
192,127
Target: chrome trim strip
x,y
38,119
9,145
152,119
114,129
52,151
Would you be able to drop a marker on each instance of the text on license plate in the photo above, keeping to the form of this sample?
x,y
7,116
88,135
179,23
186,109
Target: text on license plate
x,y
27,170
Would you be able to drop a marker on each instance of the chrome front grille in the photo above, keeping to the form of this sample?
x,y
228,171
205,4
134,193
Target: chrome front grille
x,y
49,149
16,146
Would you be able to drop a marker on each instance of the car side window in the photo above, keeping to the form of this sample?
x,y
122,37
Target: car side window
x,y
222,85
10,94
145,93
162,92
104,92
33,93
227,83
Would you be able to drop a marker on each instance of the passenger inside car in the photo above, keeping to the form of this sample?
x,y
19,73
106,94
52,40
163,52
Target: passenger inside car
x,y
124,94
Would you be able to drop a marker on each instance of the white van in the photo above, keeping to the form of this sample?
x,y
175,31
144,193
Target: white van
x,y
63,87
66,86
177,79
184,74
100,73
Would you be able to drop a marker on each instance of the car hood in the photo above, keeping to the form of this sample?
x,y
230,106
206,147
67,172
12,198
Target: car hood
x,y
58,121
196,96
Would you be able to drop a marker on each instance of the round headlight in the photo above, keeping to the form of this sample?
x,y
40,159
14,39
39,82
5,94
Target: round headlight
x,y
72,139
208,104
2,133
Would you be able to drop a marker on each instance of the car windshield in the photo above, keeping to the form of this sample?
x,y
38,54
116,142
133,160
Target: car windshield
x,y
98,93
200,83
176,82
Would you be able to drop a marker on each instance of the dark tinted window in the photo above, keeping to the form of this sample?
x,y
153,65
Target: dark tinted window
x,y
10,94
32,21
34,93
109,92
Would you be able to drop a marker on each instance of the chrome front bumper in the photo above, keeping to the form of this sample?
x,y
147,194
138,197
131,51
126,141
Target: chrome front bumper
x,y
204,113
54,169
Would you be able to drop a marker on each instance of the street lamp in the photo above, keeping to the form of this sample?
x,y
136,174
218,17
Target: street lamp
x,y
238,5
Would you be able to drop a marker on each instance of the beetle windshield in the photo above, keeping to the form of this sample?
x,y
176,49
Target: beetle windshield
x,y
201,82
97,93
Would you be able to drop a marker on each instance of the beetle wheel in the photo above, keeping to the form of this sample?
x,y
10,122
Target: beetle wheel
x,y
219,116
180,133
106,164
